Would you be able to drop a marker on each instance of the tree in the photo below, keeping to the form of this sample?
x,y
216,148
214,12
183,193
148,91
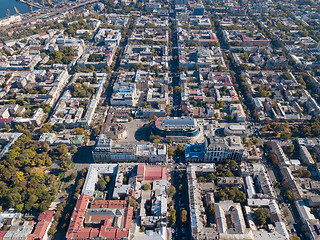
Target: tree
x,y
261,215
172,217
274,158
240,196
286,76
306,173
142,229
62,149
171,191
96,131
201,179
144,104
36,172
73,175
245,56
212,177
19,207
233,165
193,103
262,91
255,141
46,147
180,150
289,195
25,182
74,149
177,90
211,209
146,186
46,128
132,202
94,75
7,127
86,36
285,135
229,118
20,176
44,206
229,173
77,68
183,216
156,140
168,110
79,131
65,163
170,140
52,231
170,151
101,184
231,194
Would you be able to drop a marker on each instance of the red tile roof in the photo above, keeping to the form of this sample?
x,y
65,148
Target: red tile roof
x,y
39,231
151,173
198,111
6,120
98,219
128,213
155,173
46,216
239,8
140,169
2,233
247,39
77,229
193,91
198,97
108,204
185,108
114,233
78,215
42,227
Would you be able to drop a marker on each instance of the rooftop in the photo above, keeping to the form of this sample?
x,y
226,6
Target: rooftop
x,y
151,173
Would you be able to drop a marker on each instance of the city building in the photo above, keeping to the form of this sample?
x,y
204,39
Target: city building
x,y
237,111
230,147
216,149
181,129
96,215
230,221
106,150
42,227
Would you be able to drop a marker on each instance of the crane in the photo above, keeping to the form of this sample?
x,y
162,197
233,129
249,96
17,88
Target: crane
x,y
8,13
16,10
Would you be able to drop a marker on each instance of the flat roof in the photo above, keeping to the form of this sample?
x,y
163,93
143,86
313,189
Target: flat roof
x,y
179,122
237,127
93,174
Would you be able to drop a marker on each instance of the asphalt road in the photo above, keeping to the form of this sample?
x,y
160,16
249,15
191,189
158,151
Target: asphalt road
x,y
182,231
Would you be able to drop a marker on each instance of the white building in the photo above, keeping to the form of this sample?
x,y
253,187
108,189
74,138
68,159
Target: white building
x,y
218,149
124,94
108,36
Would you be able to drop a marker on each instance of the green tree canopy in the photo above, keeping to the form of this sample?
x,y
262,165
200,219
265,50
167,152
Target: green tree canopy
x,y
261,215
